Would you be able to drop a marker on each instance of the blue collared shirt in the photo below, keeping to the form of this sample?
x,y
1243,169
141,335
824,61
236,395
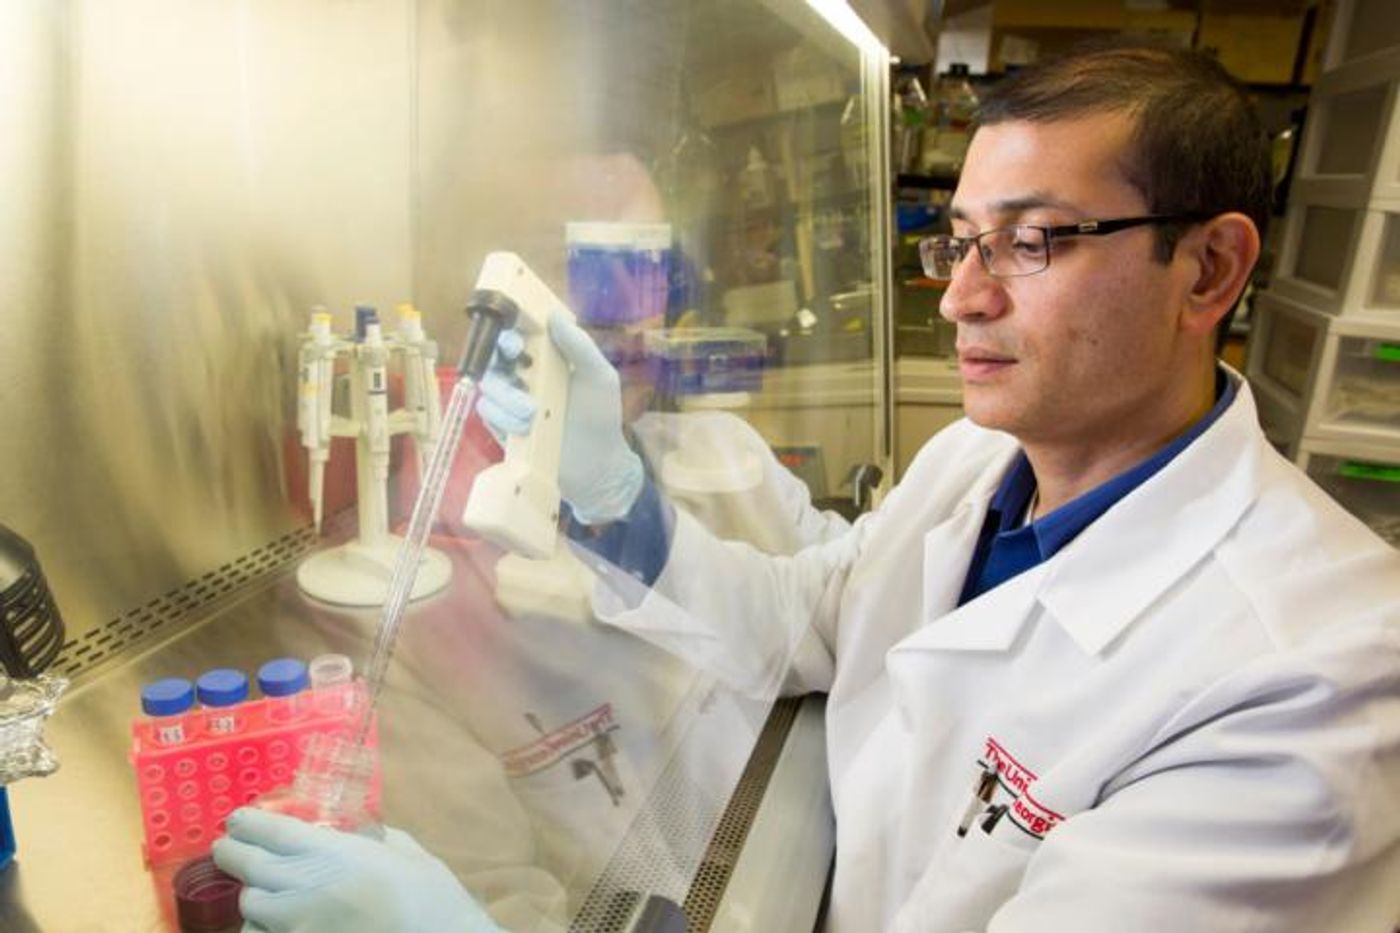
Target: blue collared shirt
x,y
638,543
1007,547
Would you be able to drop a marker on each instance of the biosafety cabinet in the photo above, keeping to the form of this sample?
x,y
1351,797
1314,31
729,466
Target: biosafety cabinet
x,y
1325,361
228,222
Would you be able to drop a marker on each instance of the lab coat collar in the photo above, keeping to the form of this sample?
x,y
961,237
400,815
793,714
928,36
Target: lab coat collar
x,y
1104,579
990,622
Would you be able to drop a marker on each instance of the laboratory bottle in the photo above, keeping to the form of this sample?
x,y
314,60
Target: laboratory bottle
x,y
166,701
911,120
283,682
756,181
332,683
221,692
956,104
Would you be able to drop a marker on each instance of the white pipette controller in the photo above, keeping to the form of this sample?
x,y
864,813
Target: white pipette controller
x,y
515,503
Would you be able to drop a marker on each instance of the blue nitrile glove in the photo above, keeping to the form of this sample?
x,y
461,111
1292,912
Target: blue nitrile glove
x,y
599,475
301,878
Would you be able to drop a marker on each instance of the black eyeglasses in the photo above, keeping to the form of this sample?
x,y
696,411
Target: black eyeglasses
x,y
1024,249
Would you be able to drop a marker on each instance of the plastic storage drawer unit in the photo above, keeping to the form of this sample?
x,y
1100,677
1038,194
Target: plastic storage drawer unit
x,y
1365,386
1362,28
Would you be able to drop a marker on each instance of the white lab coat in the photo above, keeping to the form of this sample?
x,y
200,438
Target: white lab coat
x,y
526,681
1193,708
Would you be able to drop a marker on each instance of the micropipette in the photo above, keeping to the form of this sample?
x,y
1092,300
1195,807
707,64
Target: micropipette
x,y
314,412
421,397
507,295
375,359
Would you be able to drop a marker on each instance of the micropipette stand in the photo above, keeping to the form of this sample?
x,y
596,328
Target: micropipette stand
x,y
514,503
357,573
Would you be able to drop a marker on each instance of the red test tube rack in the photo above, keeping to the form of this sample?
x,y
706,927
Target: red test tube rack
x,y
188,789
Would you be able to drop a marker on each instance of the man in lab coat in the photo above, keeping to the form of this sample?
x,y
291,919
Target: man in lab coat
x,y
1103,660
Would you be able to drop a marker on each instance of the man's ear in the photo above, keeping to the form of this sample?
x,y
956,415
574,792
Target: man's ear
x,y
1222,253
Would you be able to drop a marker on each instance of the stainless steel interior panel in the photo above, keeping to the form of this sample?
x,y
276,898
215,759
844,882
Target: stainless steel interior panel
x,y
32,434
202,174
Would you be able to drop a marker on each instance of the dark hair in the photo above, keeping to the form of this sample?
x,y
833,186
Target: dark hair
x,y
1198,145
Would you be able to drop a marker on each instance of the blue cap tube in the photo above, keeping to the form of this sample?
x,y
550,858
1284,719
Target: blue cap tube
x,y
282,681
220,691
165,701
282,677
222,686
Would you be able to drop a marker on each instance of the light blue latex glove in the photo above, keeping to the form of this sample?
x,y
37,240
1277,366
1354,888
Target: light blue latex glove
x,y
301,878
600,476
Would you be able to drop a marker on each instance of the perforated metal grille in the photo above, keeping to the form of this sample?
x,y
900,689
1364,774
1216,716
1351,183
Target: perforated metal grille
x,y
707,889
110,639
657,857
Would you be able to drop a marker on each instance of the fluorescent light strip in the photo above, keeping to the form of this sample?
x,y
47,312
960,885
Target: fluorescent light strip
x,y
845,21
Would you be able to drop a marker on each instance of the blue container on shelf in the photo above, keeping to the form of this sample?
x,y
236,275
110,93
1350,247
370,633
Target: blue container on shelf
x,y
909,216
706,360
7,830
619,273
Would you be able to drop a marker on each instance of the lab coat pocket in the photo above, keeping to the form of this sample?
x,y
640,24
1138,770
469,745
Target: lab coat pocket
x,y
969,880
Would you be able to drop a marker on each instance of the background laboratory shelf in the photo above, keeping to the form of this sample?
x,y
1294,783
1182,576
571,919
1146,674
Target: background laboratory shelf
x,y
1361,31
1325,355
924,182
1351,109
1342,258
1318,375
